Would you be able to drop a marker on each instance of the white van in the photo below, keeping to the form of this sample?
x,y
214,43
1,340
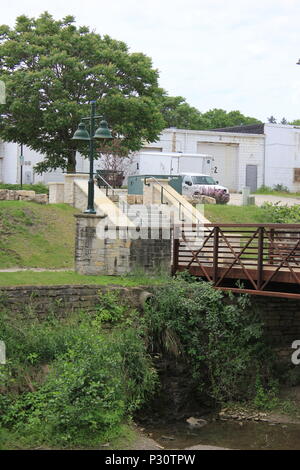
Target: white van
x,y
198,183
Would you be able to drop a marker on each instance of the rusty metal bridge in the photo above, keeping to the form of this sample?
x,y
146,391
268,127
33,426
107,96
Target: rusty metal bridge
x,y
261,259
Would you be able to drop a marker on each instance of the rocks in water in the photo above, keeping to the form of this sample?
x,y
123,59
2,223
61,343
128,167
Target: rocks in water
x,y
196,422
242,415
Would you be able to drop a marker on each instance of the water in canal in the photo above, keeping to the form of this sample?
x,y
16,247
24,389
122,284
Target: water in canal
x,y
228,434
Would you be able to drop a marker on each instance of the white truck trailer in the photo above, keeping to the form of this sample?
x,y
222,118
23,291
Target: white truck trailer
x,y
162,163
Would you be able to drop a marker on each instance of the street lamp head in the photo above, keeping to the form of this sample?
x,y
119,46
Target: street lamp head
x,y
81,133
103,132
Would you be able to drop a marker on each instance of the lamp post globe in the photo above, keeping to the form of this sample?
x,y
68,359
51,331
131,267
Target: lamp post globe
x,y
81,134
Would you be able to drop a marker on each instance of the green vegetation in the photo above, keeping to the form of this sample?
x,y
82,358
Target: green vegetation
x,y
221,342
38,188
33,235
282,214
53,68
278,190
178,113
74,381
46,278
236,214
267,213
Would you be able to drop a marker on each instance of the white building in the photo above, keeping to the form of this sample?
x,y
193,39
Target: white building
x,y
10,167
235,155
254,155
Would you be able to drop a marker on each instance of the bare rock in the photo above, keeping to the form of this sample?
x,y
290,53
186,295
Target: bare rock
x,y
196,422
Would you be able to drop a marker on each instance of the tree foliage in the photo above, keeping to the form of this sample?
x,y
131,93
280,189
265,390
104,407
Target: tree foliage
x,y
53,69
221,118
178,113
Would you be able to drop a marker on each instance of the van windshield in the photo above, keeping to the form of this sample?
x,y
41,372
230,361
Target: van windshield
x,y
203,180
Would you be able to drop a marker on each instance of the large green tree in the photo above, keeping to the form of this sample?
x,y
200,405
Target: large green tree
x,y
178,113
217,118
53,69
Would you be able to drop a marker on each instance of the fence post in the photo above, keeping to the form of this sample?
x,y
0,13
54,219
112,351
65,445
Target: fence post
x,y
216,254
260,257
271,246
175,252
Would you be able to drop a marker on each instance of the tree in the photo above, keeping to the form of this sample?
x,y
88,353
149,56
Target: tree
x,y
284,121
272,120
219,118
178,113
52,69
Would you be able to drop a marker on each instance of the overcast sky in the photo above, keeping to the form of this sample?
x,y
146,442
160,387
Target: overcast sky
x,y
216,53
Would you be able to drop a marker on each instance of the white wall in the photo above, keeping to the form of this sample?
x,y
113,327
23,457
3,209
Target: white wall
x,y
279,148
282,155
11,170
232,152
9,167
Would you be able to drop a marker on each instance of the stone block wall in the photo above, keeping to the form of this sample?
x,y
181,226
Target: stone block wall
x,y
281,317
135,199
151,255
63,299
117,250
22,195
56,193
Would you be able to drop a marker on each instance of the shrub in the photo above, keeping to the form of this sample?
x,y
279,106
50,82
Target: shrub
x,y
219,195
281,188
72,382
276,213
220,340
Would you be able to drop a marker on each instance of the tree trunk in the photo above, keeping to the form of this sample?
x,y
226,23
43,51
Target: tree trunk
x,y
71,165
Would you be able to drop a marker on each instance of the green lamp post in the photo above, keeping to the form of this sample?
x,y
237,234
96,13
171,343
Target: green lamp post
x,y
102,133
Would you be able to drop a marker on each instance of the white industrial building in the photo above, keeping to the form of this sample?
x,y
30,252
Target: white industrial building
x,y
10,165
231,153
255,155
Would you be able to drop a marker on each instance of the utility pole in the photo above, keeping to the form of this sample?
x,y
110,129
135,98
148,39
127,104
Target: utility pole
x,y
21,165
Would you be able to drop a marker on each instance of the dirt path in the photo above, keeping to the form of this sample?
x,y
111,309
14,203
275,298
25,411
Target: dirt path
x,y
36,270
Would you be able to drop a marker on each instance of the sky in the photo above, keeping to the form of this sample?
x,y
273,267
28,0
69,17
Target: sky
x,y
229,54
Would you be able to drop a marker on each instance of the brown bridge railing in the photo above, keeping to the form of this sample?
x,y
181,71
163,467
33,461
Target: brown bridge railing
x,y
265,258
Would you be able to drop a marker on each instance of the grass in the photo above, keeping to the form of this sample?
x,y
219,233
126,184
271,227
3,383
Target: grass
x,y
34,235
68,277
125,439
273,192
235,214
38,188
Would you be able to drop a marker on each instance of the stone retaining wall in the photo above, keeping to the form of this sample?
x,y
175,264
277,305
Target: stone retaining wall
x,y
281,316
63,299
22,195
282,322
119,250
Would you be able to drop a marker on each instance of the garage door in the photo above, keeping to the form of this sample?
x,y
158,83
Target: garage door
x,y
224,167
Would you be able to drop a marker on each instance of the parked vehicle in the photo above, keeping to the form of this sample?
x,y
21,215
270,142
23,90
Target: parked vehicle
x,y
196,184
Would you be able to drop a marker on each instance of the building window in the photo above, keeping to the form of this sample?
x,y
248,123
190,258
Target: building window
x,y
296,175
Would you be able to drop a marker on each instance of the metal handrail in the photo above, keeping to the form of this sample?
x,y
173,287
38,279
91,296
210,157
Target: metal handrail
x,y
121,199
106,183
179,202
